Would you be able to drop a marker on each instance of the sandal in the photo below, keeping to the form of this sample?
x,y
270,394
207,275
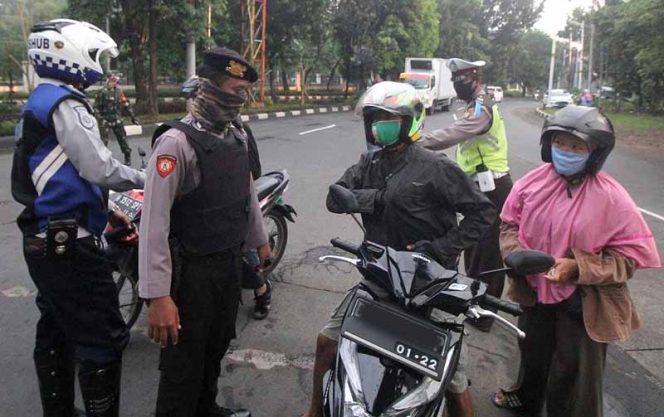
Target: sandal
x,y
510,400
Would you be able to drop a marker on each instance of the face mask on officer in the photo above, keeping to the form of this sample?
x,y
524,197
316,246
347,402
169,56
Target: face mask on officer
x,y
464,89
213,107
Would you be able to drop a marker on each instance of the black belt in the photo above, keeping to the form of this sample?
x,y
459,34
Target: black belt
x,y
36,244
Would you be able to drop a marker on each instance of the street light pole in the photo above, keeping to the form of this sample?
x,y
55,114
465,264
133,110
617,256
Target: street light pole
x,y
553,63
579,63
590,56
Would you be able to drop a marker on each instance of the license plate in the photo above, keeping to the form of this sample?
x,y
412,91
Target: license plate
x,y
406,339
128,205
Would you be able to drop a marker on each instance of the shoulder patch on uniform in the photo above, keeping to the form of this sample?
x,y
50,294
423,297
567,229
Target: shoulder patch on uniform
x,y
84,117
165,165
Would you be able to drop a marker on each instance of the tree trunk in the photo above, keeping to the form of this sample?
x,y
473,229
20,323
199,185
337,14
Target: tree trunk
x,y
347,76
134,26
153,107
332,72
284,81
273,91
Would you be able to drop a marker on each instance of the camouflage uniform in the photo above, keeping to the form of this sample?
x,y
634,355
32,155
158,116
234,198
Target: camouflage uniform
x,y
108,103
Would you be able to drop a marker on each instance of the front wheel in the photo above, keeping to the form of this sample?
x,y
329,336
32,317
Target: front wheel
x,y
277,232
128,299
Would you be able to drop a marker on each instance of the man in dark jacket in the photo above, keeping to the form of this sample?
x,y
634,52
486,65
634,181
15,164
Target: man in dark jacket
x,y
408,197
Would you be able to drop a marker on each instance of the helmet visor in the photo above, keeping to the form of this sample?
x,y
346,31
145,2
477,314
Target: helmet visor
x,y
98,55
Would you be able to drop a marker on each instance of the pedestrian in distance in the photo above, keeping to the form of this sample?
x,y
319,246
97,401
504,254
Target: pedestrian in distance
x,y
200,214
408,197
110,102
481,142
584,218
61,173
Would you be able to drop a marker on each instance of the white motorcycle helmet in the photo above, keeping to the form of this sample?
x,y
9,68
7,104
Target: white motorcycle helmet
x,y
69,50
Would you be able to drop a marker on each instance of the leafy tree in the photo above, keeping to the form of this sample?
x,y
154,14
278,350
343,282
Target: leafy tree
x,y
16,20
460,26
505,21
530,66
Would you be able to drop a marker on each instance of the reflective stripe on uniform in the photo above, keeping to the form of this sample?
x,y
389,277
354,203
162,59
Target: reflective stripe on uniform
x,y
48,167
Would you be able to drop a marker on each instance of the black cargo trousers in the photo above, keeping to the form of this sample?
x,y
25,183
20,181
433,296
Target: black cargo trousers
x,y
80,322
207,294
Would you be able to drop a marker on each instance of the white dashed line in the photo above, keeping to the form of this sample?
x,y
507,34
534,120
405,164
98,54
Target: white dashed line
x,y
267,360
650,213
18,292
316,130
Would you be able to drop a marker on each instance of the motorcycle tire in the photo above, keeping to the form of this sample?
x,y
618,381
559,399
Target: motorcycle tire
x,y
277,230
129,302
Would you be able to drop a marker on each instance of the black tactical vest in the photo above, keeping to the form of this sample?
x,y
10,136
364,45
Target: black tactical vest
x,y
214,216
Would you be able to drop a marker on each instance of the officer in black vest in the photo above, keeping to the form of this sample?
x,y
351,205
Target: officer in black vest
x,y
200,211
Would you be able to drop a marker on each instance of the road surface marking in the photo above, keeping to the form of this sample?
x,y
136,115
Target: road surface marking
x,y
18,292
316,130
650,213
267,360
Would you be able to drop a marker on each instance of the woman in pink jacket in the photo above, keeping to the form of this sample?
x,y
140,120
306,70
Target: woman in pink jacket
x,y
589,223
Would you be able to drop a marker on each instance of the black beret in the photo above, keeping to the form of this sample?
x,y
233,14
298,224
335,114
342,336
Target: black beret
x,y
221,60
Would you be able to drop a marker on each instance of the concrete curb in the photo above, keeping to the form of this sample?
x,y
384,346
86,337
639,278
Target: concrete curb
x,y
541,113
7,142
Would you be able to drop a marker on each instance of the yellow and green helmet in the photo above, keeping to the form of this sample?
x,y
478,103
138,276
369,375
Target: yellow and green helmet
x,y
396,98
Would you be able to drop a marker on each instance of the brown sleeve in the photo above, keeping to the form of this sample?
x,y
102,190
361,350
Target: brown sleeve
x,y
509,239
605,268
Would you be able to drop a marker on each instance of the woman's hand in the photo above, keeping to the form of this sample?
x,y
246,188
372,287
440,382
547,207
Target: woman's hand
x,y
563,271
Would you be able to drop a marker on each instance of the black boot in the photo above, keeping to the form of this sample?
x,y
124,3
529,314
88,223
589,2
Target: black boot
x,y
101,390
127,159
263,302
55,372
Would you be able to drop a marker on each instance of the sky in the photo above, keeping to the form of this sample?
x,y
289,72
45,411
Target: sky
x,y
555,14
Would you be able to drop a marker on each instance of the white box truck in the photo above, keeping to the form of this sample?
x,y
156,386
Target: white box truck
x,y
432,80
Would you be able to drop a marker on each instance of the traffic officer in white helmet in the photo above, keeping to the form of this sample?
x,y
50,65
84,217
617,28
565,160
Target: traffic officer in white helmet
x,y
482,154
61,173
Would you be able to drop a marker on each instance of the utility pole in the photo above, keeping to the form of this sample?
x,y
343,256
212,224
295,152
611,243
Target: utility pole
x,y
590,57
579,63
191,49
553,63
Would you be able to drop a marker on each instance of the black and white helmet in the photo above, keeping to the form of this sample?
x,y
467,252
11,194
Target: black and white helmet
x,y
586,123
69,50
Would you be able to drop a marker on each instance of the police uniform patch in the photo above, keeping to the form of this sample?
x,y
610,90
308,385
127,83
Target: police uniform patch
x,y
84,117
165,165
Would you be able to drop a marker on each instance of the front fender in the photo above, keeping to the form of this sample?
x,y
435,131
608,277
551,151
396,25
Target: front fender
x,y
285,210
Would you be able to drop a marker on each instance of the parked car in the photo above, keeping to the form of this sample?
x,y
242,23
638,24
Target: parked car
x,y
495,92
557,98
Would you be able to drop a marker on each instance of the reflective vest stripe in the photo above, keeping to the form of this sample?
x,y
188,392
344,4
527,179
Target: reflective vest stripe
x,y
48,167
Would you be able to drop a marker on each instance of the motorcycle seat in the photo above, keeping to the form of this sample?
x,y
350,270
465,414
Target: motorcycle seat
x,y
265,185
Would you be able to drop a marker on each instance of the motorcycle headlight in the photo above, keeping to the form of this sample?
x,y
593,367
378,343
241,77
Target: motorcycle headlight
x,y
354,403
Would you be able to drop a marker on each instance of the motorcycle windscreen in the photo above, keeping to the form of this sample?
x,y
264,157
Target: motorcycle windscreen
x,y
396,335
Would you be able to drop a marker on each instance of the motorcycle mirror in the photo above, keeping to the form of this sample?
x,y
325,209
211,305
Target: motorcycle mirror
x,y
345,198
529,262
141,152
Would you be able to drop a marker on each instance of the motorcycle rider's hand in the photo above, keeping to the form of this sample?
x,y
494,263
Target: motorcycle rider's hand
x,y
264,254
564,270
163,321
422,246
134,121
119,218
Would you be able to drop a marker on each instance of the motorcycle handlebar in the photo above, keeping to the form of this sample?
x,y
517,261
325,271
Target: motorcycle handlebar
x,y
347,246
502,305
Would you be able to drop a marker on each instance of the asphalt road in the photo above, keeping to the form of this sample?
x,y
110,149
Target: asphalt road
x,y
269,368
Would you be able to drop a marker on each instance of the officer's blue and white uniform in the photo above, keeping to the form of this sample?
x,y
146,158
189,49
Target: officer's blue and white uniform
x,y
61,171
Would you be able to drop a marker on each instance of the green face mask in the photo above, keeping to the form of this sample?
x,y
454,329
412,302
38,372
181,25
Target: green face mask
x,y
386,132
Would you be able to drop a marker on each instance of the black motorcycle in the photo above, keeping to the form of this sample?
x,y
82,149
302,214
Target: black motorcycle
x,y
394,358
122,244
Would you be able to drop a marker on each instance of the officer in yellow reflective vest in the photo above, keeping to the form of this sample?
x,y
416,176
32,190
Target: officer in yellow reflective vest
x,y
482,154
